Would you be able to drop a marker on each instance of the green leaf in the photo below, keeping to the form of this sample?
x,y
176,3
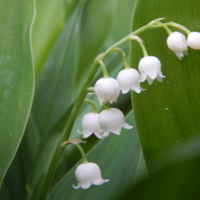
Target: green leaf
x,y
94,29
114,155
16,76
18,173
167,113
61,90
179,179
57,78
50,19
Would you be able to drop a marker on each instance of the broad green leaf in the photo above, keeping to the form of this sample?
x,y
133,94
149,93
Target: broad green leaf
x,y
167,113
50,20
96,23
18,173
118,158
113,25
122,21
62,69
57,78
179,179
16,75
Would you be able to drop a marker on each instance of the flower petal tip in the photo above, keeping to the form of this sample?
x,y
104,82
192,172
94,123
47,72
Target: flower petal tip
x,y
127,126
76,187
80,132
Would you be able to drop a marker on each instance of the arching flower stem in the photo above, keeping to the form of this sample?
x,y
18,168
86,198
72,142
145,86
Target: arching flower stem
x,y
76,143
121,52
94,108
105,72
167,30
82,153
143,49
106,106
126,64
165,27
173,24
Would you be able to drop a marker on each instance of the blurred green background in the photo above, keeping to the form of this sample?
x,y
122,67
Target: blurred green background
x,y
50,60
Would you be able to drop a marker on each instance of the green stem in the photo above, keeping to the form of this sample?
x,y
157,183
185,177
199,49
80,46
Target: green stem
x,y
138,31
126,64
82,153
105,73
120,51
143,49
180,27
106,106
94,108
67,130
167,30
173,24
165,27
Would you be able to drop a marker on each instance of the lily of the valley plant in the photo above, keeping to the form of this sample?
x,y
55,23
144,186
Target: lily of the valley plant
x,y
107,89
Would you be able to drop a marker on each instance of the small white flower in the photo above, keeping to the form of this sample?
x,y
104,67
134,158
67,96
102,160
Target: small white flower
x,y
177,43
193,40
129,79
150,69
112,120
88,174
90,124
107,89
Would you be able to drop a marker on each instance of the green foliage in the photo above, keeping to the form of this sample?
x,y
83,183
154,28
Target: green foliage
x,y
66,38
177,176
16,72
167,114
124,167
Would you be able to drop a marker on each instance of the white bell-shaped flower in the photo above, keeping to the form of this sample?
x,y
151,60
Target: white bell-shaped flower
x,y
107,89
193,40
128,79
150,69
112,120
90,124
88,174
178,44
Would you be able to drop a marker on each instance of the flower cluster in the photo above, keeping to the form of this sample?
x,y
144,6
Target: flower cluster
x,y
101,124
178,43
108,89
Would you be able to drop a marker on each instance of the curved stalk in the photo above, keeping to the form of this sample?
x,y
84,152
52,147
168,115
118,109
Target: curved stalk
x,y
94,108
82,152
143,49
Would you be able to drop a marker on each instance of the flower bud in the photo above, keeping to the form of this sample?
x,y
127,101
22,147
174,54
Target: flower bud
x,y
177,43
88,174
112,120
128,79
193,40
91,125
150,69
107,89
